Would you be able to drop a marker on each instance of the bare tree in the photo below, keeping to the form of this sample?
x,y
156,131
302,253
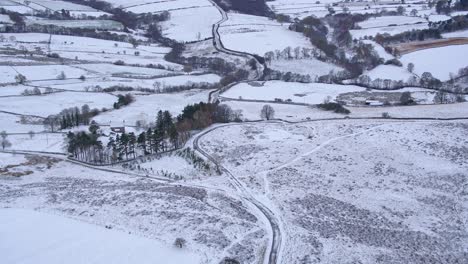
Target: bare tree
x,y
223,113
267,112
61,76
157,87
5,143
50,122
410,67
20,78
31,134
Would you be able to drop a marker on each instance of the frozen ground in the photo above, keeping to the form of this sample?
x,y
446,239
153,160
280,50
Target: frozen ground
x,y
341,202
60,239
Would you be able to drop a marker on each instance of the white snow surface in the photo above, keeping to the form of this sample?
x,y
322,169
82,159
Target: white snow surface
x,y
389,72
31,237
146,107
438,61
310,93
256,38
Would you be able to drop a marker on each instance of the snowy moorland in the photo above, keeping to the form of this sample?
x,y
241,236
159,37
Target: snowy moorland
x,y
323,177
57,232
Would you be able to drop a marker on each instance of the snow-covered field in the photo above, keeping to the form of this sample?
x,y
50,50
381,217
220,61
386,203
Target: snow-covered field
x,y
49,142
420,111
159,6
11,124
440,62
392,30
389,72
52,104
251,111
310,93
191,24
456,34
312,67
111,69
146,217
11,90
93,24
146,107
40,72
301,9
90,49
386,21
379,49
148,82
5,19
190,20
9,159
32,6
60,239
258,37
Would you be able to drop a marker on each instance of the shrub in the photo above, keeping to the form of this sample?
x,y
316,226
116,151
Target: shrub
x,y
179,242
335,107
394,62
53,55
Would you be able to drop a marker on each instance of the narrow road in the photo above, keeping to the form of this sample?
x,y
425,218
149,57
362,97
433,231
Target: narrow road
x,y
275,244
219,46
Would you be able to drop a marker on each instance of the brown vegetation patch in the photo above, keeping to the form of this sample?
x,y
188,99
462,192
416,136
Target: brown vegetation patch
x,y
16,170
409,47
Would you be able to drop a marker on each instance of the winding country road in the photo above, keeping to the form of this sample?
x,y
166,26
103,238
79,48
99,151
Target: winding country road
x,y
273,252
219,46
275,241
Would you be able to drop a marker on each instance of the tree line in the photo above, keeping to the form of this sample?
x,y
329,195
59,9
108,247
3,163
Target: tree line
x,y
166,134
74,116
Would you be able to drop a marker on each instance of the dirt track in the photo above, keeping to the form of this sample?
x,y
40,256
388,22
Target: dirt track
x,y
406,48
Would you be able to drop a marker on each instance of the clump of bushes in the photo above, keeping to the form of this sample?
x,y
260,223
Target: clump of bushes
x,y
335,107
